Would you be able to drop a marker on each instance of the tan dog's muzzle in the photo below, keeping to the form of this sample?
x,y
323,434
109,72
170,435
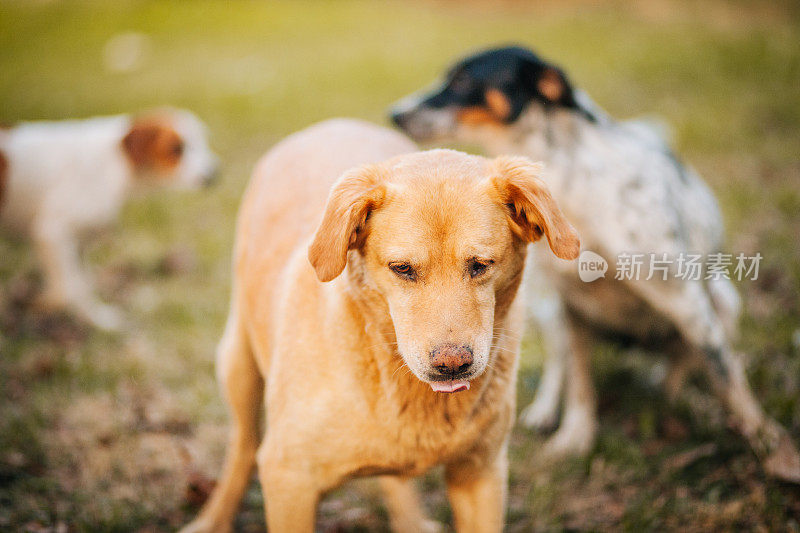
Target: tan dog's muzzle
x,y
453,363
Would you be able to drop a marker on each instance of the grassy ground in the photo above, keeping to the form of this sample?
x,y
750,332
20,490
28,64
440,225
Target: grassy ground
x,y
124,432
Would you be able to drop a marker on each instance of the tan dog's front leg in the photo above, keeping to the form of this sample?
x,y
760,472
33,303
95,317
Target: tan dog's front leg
x,y
405,509
478,494
65,283
290,492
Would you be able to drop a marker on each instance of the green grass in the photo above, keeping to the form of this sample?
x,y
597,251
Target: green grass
x,y
102,432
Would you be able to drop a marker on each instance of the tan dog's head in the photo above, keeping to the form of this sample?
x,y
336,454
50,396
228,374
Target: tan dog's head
x,y
170,146
441,236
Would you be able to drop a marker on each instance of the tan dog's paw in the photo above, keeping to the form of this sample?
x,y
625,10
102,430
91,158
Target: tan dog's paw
x,y
541,415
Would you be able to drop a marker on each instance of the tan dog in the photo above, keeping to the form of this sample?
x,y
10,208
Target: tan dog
x,y
355,364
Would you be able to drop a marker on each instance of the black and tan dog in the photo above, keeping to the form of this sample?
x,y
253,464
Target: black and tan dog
x,y
621,186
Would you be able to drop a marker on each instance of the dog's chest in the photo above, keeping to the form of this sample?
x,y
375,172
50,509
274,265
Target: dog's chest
x,y
423,436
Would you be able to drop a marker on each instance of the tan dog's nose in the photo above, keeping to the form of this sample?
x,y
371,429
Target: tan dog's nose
x,y
451,359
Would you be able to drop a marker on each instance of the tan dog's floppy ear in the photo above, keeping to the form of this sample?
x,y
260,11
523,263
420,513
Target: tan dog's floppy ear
x,y
352,197
532,211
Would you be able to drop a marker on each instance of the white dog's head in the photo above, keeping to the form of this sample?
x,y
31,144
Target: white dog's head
x,y
170,146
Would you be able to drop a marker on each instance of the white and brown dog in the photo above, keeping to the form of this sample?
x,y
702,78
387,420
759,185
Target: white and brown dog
x,y
60,179
621,186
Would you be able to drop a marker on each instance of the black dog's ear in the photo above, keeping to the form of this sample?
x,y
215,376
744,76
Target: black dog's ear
x,y
549,83
551,86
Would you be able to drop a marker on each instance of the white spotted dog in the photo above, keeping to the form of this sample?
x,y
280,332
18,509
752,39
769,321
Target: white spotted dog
x,y
60,179
625,192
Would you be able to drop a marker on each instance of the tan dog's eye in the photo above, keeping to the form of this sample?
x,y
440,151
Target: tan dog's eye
x,y
404,270
478,267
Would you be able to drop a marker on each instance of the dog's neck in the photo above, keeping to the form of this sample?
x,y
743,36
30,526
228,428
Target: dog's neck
x,y
554,135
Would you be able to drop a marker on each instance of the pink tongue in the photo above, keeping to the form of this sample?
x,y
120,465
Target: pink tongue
x,y
450,386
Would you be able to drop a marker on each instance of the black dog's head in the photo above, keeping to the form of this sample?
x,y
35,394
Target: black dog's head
x,y
489,88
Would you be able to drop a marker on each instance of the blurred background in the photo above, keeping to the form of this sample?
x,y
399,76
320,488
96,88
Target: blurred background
x,y
125,432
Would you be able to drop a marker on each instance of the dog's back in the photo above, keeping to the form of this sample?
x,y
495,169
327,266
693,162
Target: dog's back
x,y
282,206
47,161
